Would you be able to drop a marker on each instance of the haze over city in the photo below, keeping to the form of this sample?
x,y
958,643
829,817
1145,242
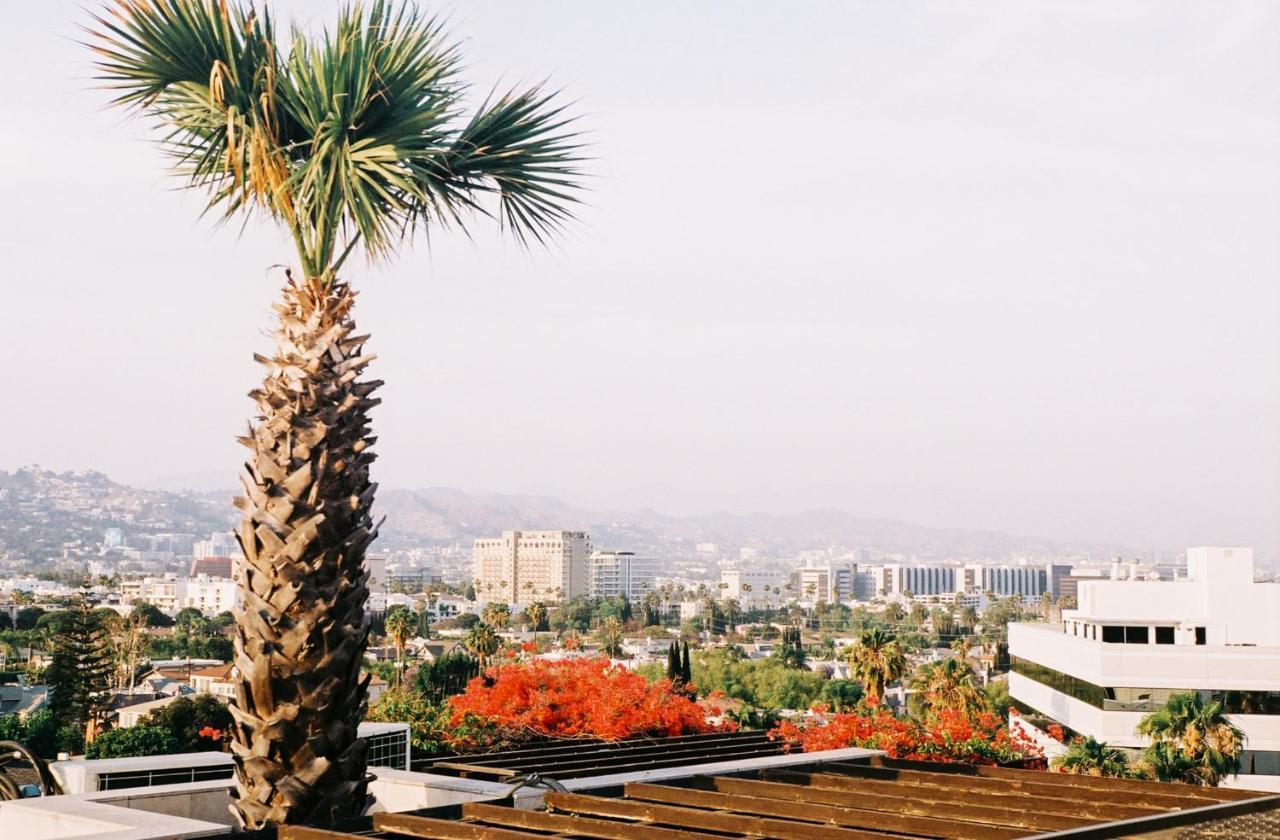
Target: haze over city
x,y
993,266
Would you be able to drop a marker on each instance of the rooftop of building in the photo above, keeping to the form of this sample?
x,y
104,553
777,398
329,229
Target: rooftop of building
x,y
872,798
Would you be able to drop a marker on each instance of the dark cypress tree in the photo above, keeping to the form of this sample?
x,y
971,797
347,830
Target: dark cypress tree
x,y
80,673
686,669
674,672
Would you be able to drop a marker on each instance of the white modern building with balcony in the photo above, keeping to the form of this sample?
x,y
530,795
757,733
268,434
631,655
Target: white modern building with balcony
x,y
621,574
1134,642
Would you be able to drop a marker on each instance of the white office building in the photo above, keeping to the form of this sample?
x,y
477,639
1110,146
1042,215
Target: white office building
x,y
756,587
833,583
521,567
1134,641
621,574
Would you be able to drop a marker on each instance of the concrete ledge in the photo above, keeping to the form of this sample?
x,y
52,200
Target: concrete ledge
x,y
56,817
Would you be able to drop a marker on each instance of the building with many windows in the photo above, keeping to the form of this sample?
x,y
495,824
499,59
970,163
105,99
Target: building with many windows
x,y
833,583
521,567
758,587
1134,641
621,574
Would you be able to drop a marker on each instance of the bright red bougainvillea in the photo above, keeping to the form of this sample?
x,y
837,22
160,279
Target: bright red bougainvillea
x,y
577,698
981,739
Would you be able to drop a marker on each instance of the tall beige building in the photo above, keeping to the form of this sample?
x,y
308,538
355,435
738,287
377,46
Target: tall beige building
x,y
526,566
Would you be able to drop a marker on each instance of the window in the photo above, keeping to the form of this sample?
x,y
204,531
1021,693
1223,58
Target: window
x,y
1200,636
1136,636
1164,635
1113,635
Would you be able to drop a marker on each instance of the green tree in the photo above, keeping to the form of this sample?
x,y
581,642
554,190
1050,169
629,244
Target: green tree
x,y
467,620
28,617
482,641
352,137
132,741
1089,757
80,673
496,614
436,681
610,636
153,616
186,717
841,695
875,661
1202,732
537,612
790,650
400,625
949,684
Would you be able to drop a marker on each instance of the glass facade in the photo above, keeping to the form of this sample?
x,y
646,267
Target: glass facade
x,y
1121,699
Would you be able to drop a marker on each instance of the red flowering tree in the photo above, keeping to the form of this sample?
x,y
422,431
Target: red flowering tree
x,y
955,736
575,698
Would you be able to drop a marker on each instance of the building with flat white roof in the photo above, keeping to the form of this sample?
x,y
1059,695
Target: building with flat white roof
x,y
1134,642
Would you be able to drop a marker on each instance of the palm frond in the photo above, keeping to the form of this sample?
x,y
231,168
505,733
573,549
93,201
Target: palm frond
x,y
518,145
357,135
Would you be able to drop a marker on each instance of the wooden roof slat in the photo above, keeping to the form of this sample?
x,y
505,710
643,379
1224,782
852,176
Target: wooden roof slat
x,y
438,829
720,821
738,798
932,802
1069,779
302,832
575,826
1068,799
579,746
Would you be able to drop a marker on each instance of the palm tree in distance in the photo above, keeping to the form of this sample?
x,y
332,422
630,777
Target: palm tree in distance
x,y
483,642
875,661
400,624
355,138
948,684
537,612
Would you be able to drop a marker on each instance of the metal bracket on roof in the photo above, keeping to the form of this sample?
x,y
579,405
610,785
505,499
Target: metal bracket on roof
x,y
535,780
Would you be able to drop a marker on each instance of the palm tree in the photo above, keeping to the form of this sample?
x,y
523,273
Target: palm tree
x,y
948,684
352,138
537,612
1089,757
610,636
1201,732
497,615
399,625
482,641
876,660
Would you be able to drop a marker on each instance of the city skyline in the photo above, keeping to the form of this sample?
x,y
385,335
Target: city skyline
x,y
1001,293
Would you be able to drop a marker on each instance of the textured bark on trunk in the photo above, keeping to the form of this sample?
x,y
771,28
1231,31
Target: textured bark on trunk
x,y
301,631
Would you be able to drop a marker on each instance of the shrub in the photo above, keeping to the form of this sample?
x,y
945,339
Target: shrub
x,y
954,737
577,698
132,742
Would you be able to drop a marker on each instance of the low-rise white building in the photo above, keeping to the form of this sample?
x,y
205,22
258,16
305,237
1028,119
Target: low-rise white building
x,y
756,587
1134,642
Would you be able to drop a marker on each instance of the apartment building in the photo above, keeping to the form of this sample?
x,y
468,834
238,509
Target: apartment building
x,y
521,567
1134,641
622,574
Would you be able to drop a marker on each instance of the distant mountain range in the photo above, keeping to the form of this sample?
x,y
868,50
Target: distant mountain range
x,y
445,515
44,509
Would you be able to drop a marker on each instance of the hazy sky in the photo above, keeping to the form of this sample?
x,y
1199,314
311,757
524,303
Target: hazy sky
x,y
1010,265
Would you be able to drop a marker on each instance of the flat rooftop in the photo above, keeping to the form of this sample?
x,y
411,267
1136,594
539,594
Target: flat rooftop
x,y
878,798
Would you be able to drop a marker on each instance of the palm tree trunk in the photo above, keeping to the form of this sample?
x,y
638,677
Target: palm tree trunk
x,y
301,629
